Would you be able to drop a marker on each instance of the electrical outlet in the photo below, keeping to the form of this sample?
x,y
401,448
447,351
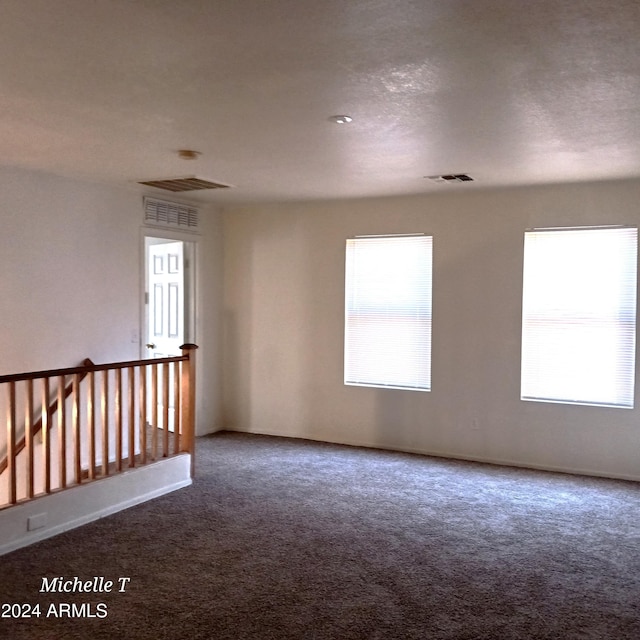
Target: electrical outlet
x,y
36,522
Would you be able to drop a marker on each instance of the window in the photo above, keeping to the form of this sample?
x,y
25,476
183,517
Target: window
x,y
579,315
388,312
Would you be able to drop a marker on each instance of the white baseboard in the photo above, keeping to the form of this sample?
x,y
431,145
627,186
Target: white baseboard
x,y
506,462
50,515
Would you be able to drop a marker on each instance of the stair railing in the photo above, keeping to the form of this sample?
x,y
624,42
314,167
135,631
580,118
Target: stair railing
x,y
143,410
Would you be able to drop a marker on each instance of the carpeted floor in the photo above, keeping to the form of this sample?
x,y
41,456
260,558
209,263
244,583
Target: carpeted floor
x,y
288,539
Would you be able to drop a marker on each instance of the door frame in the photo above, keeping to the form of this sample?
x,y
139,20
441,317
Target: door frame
x,y
190,246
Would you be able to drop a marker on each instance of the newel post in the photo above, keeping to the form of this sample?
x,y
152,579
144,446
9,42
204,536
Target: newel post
x,y
188,392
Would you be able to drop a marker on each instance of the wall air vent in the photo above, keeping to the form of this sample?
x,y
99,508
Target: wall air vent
x,y
170,215
189,183
451,178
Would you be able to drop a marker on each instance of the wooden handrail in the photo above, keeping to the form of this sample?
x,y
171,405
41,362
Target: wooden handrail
x,y
84,369
52,408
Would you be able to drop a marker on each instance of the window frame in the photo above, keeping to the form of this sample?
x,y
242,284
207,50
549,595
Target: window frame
x,y
362,318
612,324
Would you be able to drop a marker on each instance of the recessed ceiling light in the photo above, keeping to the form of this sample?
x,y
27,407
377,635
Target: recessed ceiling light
x,y
341,119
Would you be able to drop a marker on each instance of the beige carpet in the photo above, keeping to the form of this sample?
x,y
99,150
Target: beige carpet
x,y
286,539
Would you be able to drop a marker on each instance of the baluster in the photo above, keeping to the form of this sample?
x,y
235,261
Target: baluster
x,y
91,420
176,409
11,442
75,429
142,372
132,421
46,436
62,432
165,409
154,411
28,439
118,408
104,408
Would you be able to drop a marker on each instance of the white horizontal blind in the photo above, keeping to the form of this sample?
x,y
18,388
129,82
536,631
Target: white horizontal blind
x,y
388,312
579,316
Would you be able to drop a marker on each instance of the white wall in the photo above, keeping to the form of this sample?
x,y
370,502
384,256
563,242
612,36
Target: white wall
x,y
284,309
209,323
70,265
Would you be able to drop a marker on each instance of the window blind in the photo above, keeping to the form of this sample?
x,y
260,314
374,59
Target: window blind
x,y
579,315
388,312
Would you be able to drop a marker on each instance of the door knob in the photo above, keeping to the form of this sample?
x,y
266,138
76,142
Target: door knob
x,y
150,345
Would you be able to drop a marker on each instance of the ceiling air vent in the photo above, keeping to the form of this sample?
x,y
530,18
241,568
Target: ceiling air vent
x,y
184,184
452,177
170,215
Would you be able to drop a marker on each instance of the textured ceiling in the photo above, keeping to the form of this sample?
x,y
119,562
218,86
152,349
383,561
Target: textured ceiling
x,y
510,92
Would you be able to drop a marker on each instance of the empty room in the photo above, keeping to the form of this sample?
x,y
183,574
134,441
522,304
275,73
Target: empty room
x,y
319,319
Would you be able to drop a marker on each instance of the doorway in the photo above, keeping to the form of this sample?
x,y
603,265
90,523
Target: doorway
x,y
168,297
168,319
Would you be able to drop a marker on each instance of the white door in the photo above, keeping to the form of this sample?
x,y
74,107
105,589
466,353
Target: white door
x,y
165,330
165,282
